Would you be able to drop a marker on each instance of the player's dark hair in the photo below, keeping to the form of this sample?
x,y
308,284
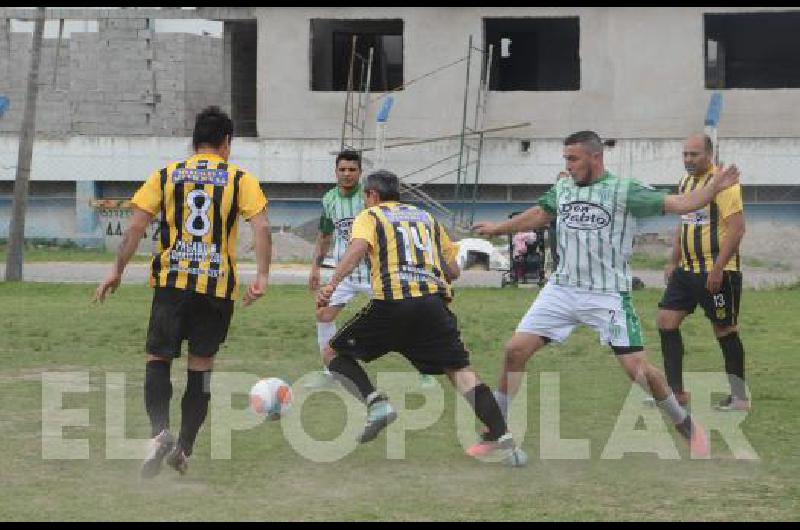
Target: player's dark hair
x,y
211,127
350,156
589,139
385,183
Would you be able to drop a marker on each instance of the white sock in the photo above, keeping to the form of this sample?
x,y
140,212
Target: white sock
x,y
502,402
325,332
673,409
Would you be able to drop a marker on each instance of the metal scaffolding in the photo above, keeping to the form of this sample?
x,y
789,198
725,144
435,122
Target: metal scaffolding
x,y
471,144
356,105
467,160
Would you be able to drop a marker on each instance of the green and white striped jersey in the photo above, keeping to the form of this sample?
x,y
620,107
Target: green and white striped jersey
x,y
338,212
595,226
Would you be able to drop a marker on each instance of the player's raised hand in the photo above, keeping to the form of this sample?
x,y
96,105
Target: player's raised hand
x,y
724,178
485,228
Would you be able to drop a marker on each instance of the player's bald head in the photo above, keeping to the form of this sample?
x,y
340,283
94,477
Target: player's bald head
x,y
697,142
698,154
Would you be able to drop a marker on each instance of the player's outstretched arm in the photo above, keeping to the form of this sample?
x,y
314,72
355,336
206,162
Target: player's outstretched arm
x,y
689,202
530,219
137,225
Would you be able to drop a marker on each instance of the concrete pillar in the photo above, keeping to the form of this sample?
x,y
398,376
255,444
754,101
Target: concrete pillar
x,y
227,46
86,219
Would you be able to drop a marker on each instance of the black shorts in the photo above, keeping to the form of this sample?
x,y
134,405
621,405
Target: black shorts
x,y
177,315
686,290
421,329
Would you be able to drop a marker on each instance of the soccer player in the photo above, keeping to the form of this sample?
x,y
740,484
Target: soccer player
x,y
704,269
596,215
412,262
340,205
199,201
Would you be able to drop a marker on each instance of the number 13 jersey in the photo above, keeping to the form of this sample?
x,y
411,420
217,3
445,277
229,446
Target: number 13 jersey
x,y
199,202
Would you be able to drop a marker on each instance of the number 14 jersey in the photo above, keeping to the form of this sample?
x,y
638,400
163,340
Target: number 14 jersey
x,y
408,251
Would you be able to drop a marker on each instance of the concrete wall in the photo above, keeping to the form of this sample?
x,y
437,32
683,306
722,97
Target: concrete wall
x,y
125,79
50,210
642,76
763,161
66,175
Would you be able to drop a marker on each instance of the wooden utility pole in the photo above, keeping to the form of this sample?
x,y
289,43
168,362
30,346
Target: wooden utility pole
x,y
16,230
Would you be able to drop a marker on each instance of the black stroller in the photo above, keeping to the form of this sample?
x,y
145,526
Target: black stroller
x,y
527,267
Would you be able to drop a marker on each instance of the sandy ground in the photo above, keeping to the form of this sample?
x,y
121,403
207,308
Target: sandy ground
x,y
298,275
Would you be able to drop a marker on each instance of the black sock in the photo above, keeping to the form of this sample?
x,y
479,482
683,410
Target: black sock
x,y
157,393
350,374
733,353
672,351
487,410
194,407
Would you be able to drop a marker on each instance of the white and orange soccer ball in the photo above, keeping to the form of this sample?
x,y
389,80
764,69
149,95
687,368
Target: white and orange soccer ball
x,y
270,398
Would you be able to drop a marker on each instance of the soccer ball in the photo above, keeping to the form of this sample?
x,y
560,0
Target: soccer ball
x,y
270,398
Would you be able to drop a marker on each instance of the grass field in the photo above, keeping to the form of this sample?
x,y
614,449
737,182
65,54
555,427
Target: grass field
x,y
48,327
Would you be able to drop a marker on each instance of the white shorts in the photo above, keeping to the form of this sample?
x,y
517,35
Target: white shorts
x,y
558,309
346,290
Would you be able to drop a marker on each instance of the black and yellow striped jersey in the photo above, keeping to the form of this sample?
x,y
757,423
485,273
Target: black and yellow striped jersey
x,y
703,231
408,250
199,202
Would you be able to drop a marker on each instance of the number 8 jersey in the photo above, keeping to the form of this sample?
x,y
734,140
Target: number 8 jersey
x,y
408,251
199,202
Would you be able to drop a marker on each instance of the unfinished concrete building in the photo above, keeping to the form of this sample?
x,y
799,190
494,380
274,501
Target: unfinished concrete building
x,y
123,98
